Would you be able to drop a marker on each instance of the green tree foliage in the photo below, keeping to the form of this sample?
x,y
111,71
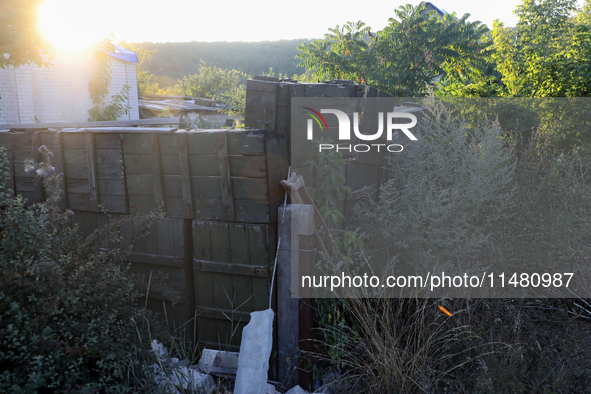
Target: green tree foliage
x,y
19,37
176,60
98,88
547,54
584,14
414,50
20,41
70,319
227,86
454,186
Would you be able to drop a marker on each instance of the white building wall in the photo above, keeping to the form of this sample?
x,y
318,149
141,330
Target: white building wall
x,y
60,93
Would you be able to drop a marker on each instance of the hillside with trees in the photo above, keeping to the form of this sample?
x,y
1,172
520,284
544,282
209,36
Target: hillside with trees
x,y
175,60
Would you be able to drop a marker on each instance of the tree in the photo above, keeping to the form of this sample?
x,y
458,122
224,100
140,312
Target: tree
x,y
412,52
547,54
227,86
20,41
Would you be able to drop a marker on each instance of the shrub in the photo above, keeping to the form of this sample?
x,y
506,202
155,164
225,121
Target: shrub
x,y
465,197
455,184
70,321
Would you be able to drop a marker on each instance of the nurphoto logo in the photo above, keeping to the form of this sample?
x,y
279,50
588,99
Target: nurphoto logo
x,y
345,130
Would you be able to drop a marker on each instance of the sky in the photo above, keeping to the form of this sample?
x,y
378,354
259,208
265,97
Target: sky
x,y
74,22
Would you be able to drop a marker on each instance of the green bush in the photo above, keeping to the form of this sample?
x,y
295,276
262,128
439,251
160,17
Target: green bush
x,y
70,321
453,188
469,195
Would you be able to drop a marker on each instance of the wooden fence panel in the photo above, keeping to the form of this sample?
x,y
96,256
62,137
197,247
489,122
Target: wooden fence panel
x,y
9,186
221,175
232,264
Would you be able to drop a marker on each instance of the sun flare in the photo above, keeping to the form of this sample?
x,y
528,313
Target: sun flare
x,y
73,25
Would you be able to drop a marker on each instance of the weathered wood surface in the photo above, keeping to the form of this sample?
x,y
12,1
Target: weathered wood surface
x,y
224,175
232,264
191,172
116,123
261,104
9,185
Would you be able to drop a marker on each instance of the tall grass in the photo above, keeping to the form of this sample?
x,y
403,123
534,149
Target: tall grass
x,y
468,196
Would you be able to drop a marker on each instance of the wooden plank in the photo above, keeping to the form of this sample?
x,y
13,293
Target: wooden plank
x,y
277,169
261,103
104,186
148,243
232,269
240,166
105,171
204,287
185,177
170,237
284,95
202,187
102,156
165,279
156,259
175,207
283,117
246,210
82,202
287,307
142,204
207,165
224,293
123,130
6,142
26,184
216,345
19,171
21,140
112,156
60,166
260,244
139,163
20,155
29,197
91,160
169,144
170,164
240,189
246,142
74,140
226,183
136,144
36,155
140,184
107,141
240,142
117,123
325,90
156,170
46,138
242,266
222,314
262,86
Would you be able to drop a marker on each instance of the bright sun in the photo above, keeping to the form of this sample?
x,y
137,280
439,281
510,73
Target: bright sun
x,y
73,24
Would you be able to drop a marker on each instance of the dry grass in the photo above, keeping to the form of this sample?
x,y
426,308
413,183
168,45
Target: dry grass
x,y
487,346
